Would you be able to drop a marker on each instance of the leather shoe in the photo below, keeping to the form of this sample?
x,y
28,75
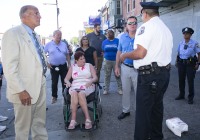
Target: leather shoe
x,y
190,101
54,100
123,115
179,98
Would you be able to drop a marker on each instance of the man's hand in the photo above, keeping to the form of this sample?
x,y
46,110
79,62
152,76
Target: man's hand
x,y
25,98
49,66
117,71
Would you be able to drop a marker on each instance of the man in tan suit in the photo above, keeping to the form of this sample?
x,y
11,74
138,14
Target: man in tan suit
x,y
24,69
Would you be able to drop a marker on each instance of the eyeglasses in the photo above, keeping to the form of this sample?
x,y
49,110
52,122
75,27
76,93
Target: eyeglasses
x,y
132,23
34,13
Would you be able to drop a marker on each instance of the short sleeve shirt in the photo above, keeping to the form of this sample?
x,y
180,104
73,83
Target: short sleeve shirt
x,y
126,45
96,42
109,48
157,39
89,57
192,47
57,52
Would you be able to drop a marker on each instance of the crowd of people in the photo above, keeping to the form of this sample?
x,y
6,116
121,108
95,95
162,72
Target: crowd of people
x,y
138,57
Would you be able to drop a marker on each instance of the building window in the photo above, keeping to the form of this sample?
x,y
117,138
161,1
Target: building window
x,y
118,8
133,4
128,5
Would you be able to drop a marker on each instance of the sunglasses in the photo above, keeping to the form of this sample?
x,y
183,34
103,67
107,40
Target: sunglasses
x,y
132,23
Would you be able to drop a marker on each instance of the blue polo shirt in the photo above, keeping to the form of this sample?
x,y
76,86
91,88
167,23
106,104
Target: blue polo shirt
x,y
126,45
109,48
57,52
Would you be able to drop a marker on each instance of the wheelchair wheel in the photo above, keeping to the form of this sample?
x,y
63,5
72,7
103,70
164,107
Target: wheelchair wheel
x,y
98,112
66,113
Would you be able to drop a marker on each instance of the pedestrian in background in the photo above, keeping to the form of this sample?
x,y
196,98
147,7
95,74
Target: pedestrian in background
x,y
124,30
109,47
58,55
24,66
187,63
90,53
2,118
125,69
152,56
95,40
69,47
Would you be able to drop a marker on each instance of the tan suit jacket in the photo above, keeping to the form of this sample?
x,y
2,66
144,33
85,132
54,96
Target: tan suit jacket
x,y
22,65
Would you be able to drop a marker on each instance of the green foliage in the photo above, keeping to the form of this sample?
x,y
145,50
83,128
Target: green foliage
x,y
74,40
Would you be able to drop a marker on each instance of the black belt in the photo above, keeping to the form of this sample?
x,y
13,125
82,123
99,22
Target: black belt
x,y
130,66
59,65
148,69
186,61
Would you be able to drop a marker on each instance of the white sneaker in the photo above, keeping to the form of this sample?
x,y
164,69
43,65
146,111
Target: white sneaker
x,y
120,92
3,118
2,128
105,92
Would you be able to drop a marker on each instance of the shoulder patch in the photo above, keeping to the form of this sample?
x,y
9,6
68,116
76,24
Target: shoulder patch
x,y
142,29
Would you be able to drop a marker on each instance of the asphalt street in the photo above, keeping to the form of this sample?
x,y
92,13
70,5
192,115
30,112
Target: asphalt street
x,y
110,128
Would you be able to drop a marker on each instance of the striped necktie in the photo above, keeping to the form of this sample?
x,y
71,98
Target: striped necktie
x,y
39,51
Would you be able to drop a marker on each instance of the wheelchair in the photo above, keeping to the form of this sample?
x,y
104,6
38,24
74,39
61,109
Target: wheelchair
x,y
93,98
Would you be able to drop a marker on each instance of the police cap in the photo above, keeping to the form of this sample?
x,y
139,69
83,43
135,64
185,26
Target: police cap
x,y
187,30
149,5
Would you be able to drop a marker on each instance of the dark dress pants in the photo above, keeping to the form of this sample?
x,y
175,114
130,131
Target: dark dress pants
x,y
189,71
149,106
55,76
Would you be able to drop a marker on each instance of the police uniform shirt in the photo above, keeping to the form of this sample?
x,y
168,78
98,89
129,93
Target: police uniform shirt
x,y
157,39
186,50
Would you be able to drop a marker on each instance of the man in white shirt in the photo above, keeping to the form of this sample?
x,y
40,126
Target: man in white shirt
x,y
152,56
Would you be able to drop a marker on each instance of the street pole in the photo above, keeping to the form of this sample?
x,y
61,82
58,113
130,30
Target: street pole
x,y
57,11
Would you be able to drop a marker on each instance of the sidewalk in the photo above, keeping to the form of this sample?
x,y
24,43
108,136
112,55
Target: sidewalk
x,y
110,128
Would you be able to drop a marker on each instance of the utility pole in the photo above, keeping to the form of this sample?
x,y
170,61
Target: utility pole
x,y
57,11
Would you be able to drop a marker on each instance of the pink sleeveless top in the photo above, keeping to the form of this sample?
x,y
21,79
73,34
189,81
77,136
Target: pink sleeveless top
x,y
81,75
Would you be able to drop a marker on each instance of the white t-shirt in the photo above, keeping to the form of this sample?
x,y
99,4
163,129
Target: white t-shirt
x,y
157,39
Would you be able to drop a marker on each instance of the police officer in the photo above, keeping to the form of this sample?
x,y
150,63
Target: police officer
x,y
152,56
187,63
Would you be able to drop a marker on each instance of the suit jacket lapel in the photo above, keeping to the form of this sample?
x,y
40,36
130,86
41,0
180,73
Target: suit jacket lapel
x,y
26,37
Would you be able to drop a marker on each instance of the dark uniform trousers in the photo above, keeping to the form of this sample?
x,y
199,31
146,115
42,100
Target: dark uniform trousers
x,y
189,71
55,76
149,106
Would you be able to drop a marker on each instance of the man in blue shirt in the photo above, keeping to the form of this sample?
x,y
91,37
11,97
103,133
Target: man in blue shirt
x,y
58,54
109,47
187,63
128,72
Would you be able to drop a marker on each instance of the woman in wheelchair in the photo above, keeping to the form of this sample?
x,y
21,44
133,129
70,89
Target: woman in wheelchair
x,y
84,77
